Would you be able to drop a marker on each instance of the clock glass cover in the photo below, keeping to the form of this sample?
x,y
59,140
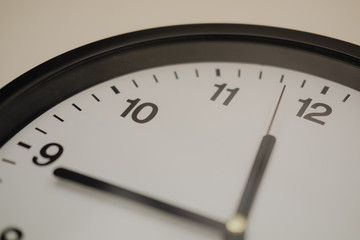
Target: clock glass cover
x,y
179,117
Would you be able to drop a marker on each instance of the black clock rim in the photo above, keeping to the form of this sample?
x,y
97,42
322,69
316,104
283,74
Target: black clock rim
x,y
335,49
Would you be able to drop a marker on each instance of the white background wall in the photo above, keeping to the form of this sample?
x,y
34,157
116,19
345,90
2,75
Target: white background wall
x,y
34,31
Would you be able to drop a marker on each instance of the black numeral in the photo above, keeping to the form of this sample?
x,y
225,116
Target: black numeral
x,y
221,87
311,116
50,152
138,109
11,234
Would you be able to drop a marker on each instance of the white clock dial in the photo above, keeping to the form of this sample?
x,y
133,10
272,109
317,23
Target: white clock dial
x,y
187,134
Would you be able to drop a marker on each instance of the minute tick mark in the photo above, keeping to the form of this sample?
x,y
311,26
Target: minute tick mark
x,y
24,145
96,98
116,91
324,90
8,161
282,78
77,107
40,130
218,72
136,85
346,98
303,84
58,118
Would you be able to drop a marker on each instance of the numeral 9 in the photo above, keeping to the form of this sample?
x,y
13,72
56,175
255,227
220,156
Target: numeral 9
x,y
11,234
51,152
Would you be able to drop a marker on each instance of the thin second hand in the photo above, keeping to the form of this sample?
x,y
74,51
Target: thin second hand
x,y
276,109
236,225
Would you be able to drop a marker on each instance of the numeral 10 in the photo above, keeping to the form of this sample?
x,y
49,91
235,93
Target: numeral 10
x,y
138,109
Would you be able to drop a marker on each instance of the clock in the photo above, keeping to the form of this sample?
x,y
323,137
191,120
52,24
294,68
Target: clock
x,y
210,131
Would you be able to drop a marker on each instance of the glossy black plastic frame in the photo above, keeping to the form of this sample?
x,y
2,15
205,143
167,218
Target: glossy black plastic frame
x,y
36,91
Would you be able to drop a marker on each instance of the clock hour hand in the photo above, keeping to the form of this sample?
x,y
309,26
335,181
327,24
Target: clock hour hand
x,y
140,198
236,225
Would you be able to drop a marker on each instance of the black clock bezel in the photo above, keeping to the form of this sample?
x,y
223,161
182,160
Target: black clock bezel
x,y
37,90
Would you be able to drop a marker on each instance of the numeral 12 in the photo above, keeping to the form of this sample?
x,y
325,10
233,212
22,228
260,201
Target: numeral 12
x,y
311,116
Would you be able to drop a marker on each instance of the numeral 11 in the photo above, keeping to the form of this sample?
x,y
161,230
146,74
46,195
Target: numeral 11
x,y
219,91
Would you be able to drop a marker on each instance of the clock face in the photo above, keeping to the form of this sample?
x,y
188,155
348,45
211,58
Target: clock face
x,y
172,125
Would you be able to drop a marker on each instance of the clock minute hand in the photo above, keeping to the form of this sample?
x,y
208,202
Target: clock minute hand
x,y
140,198
236,225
